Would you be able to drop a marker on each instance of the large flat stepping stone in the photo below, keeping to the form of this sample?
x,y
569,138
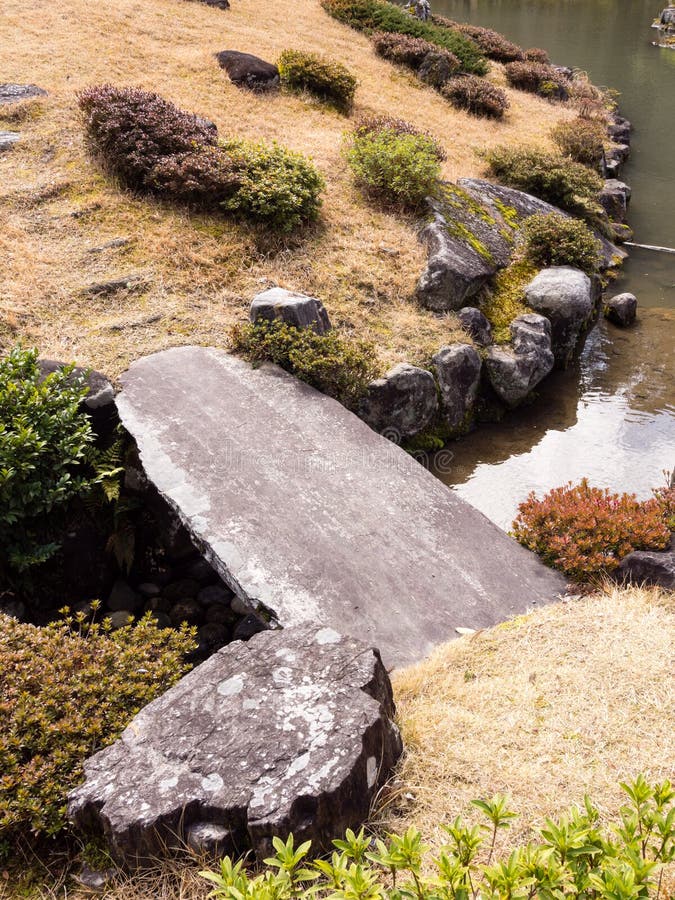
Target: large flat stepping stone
x,y
290,732
305,511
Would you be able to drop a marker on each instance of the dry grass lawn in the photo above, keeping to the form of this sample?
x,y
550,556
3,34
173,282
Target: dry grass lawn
x,y
200,271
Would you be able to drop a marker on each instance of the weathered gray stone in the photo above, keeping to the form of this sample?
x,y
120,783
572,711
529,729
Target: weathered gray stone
x,y
123,596
458,372
295,309
564,295
667,16
476,325
291,732
649,567
248,71
302,509
402,403
515,371
15,93
8,139
621,309
619,130
614,198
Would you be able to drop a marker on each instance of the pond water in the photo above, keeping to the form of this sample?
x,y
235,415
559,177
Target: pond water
x,y
611,417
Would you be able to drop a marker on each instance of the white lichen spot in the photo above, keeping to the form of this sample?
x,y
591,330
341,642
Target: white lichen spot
x,y
250,704
212,782
371,771
297,765
167,783
327,636
231,686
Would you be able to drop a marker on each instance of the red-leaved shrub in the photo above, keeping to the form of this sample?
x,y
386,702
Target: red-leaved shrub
x,y
493,44
586,531
476,95
537,78
536,54
402,48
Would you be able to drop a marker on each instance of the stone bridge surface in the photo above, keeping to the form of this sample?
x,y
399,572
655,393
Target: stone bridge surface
x,y
310,515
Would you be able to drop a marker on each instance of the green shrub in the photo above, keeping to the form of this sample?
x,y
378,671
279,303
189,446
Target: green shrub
x,y
493,44
582,140
476,95
554,178
380,15
371,124
586,531
66,691
537,78
45,450
556,240
331,363
324,78
572,857
396,169
277,188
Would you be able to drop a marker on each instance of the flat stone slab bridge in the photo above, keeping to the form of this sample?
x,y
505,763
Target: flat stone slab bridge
x,y
311,517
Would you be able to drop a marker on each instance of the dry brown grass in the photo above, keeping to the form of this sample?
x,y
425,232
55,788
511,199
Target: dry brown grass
x,y
568,700
202,271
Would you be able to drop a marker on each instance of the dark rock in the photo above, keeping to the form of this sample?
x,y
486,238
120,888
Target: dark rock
x,y
162,620
123,596
183,589
515,371
217,4
120,617
620,130
211,840
94,879
564,296
215,593
13,608
186,611
213,636
248,627
248,71
614,198
649,567
614,159
298,310
291,732
116,285
8,139
436,68
15,93
221,615
99,402
148,589
402,403
622,232
458,372
621,309
476,325
200,570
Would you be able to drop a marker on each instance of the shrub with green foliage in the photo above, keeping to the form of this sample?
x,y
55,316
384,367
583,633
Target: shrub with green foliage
x,y
476,95
379,15
554,178
572,857
333,364
325,78
537,78
66,691
557,240
46,457
154,147
586,531
395,169
372,124
582,139
493,44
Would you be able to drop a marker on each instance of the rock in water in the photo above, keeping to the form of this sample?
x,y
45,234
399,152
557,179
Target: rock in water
x,y
565,296
297,310
514,371
291,732
621,309
248,71
650,567
402,403
458,371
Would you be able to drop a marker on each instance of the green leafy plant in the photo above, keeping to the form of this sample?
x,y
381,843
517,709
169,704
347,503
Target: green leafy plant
x,y
379,15
586,531
329,362
325,78
476,95
582,140
393,168
557,240
374,124
66,691
573,858
493,44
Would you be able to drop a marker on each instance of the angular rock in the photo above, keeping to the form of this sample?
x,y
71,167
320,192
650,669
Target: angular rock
x,y
218,4
292,308
123,597
100,400
667,16
565,296
649,567
458,372
622,232
15,93
308,514
402,403
291,732
619,130
621,309
8,139
476,325
248,71
614,198
515,371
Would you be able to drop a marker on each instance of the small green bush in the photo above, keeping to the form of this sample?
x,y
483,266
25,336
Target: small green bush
x,y
573,857
45,450
476,95
396,169
554,178
556,240
277,187
582,140
537,78
66,691
586,531
371,124
331,363
493,44
379,15
326,79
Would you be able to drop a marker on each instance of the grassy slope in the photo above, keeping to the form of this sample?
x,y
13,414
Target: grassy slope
x,y
203,271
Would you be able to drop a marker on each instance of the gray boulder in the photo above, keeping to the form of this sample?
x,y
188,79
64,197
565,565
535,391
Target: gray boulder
x,y
248,71
667,17
619,130
516,370
649,567
99,402
402,403
614,198
294,309
476,325
291,732
458,372
565,296
15,93
621,309
8,139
